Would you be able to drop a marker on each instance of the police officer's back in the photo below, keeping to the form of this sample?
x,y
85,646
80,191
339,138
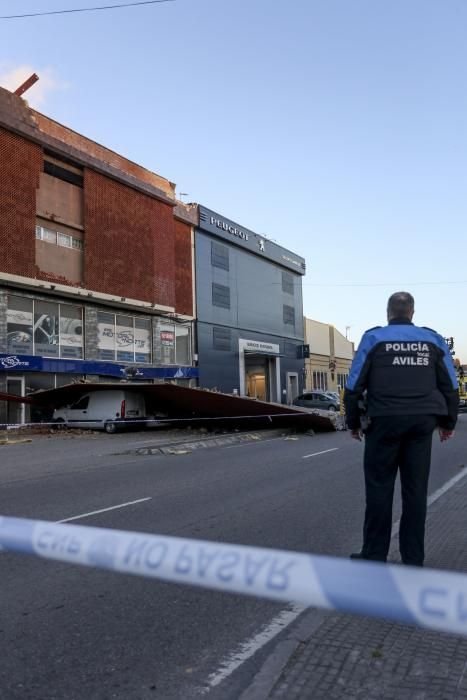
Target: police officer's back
x,y
407,375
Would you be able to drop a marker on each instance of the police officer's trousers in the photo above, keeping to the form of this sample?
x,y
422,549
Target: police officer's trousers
x,y
394,442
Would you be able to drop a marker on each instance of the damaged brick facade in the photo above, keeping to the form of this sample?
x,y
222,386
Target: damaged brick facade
x,y
133,246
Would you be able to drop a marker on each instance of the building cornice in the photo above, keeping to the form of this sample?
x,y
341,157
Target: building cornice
x,y
17,117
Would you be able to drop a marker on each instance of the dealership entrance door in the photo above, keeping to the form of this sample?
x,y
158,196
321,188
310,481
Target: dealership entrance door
x,y
257,377
259,370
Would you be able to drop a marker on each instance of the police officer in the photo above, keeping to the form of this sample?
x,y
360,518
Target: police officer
x,y
406,376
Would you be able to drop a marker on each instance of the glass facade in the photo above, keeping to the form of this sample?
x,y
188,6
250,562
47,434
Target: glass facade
x,y
44,328
123,338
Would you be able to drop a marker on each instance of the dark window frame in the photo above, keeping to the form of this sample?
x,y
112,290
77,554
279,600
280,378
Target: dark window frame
x,y
288,285
220,296
221,339
220,256
288,315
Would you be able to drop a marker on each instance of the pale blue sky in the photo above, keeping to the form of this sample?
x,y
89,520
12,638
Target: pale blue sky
x,y
336,127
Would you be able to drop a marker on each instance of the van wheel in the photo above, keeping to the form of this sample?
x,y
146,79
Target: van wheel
x,y
59,424
110,428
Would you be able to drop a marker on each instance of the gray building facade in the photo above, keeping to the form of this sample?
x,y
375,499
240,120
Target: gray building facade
x,y
249,303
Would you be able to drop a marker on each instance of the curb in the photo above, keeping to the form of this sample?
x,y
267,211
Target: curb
x,y
272,669
185,447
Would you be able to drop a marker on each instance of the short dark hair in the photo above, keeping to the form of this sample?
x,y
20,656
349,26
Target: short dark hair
x,y
400,305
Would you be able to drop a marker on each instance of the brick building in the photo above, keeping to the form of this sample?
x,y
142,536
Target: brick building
x,y
96,262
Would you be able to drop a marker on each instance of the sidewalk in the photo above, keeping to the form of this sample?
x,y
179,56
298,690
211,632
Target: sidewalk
x,y
353,657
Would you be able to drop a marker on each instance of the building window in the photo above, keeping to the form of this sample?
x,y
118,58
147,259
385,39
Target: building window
x,y
167,341
44,328
221,338
320,380
287,282
219,255
221,296
175,343
183,345
63,170
64,240
71,331
342,380
19,326
123,338
288,314
143,340
57,238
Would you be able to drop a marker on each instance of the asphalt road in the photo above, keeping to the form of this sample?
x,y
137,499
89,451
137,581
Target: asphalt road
x,y
75,633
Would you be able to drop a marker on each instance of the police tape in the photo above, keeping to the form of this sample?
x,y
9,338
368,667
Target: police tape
x,y
134,422
423,597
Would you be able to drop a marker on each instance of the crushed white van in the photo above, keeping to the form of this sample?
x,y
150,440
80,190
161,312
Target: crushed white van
x,y
108,410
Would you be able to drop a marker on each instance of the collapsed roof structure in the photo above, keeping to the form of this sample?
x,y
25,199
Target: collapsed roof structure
x,y
186,406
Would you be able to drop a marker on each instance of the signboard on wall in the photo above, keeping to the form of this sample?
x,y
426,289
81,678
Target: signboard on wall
x,y
31,363
258,346
260,245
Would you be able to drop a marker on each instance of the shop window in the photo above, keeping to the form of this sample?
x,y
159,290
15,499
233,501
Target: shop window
x,y
123,338
46,329
19,326
221,296
221,338
37,327
71,331
182,345
106,335
175,344
167,341
143,340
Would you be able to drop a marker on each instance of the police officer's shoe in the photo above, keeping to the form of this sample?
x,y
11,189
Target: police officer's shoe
x,y
358,555
412,563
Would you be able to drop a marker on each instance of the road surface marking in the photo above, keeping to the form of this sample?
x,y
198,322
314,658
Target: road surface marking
x,y
315,454
251,646
104,510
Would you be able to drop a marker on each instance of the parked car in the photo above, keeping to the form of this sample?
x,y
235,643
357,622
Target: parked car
x,y
109,410
334,395
317,399
463,405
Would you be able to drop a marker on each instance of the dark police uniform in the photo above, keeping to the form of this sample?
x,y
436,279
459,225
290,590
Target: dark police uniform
x,y
410,382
